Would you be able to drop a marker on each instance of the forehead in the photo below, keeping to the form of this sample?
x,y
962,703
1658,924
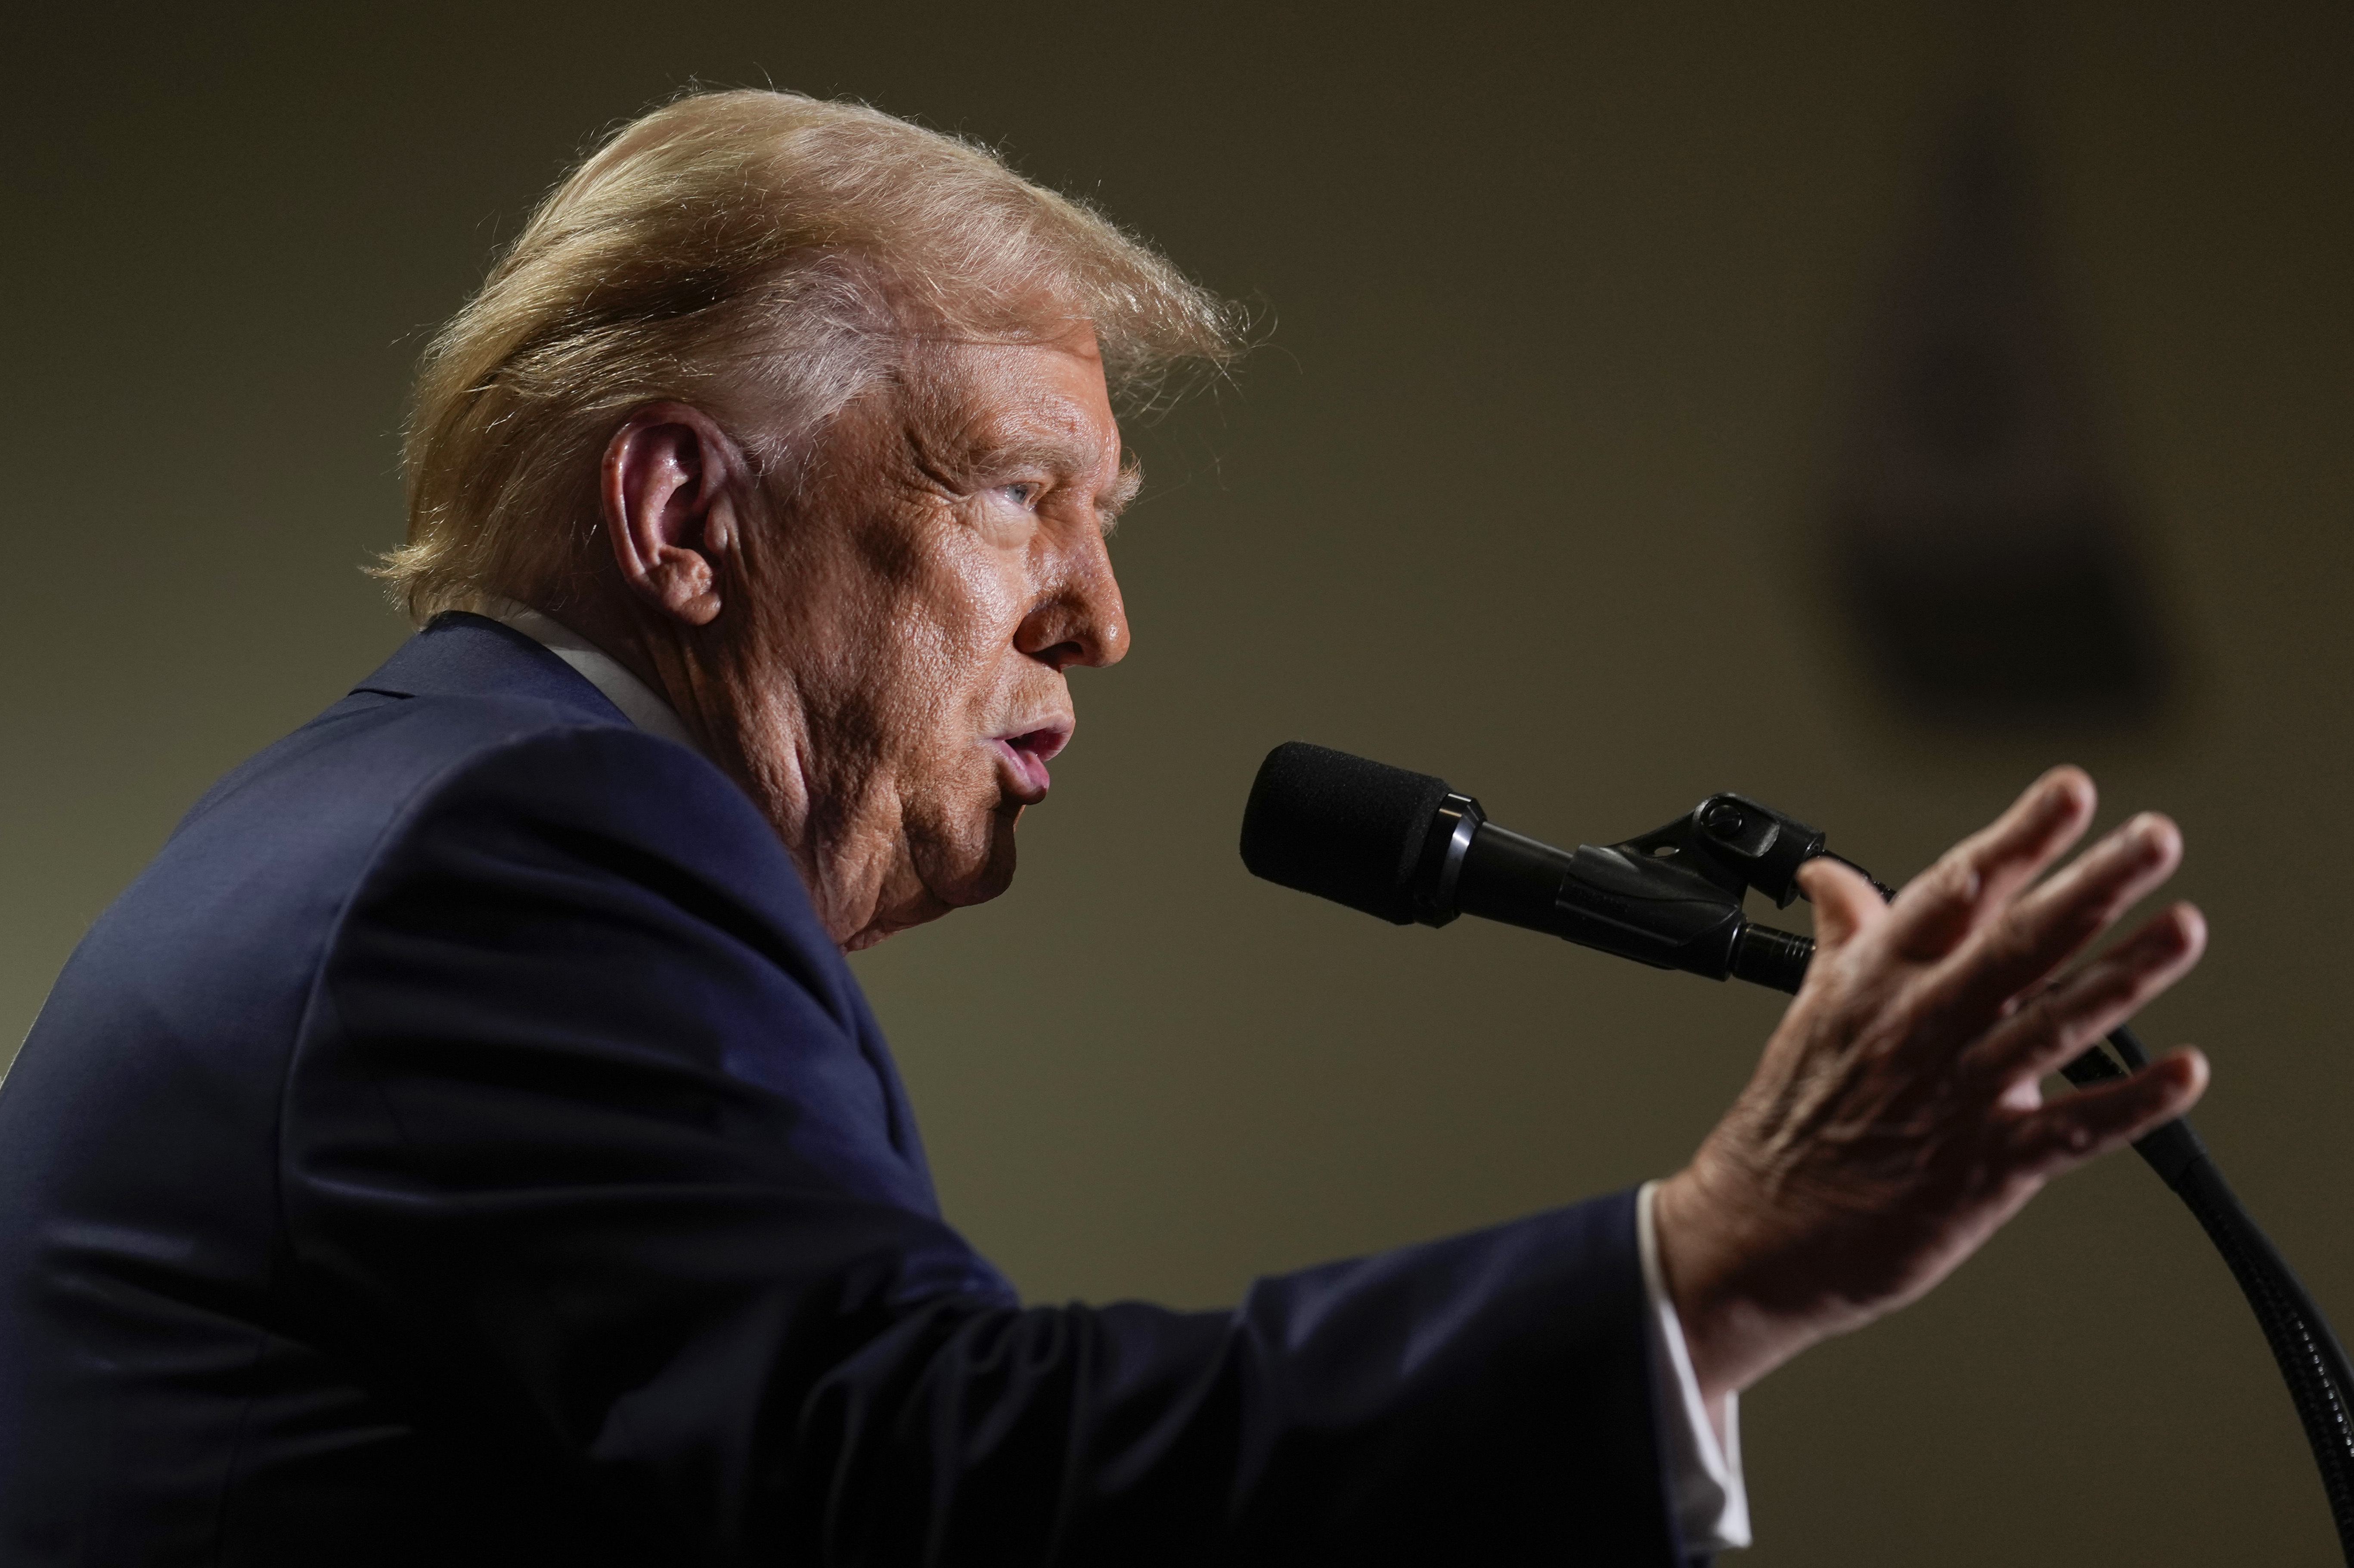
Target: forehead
x,y
1047,399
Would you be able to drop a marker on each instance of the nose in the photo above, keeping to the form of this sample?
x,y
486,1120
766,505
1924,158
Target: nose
x,y
1081,620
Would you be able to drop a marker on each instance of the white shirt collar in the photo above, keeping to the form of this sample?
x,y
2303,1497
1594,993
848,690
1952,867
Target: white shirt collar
x,y
638,703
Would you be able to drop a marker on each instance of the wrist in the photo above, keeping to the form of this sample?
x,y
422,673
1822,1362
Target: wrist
x,y
1712,1249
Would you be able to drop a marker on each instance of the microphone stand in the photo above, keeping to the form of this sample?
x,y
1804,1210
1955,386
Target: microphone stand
x,y
1672,899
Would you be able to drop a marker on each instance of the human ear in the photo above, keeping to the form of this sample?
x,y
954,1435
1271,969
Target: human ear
x,y
673,485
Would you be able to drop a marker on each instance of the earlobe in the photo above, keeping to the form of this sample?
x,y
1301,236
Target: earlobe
x,y
688,579
670,482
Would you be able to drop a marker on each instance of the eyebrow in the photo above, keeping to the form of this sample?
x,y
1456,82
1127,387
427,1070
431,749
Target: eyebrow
x,y
1110,503
1063,457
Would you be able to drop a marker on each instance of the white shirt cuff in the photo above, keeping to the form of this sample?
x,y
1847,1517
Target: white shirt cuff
x,y
1704,1484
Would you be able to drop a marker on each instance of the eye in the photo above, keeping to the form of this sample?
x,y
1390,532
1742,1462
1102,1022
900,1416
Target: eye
x,y
1023,494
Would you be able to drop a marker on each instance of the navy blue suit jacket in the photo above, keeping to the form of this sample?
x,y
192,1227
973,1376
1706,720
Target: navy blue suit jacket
x,y
463,1146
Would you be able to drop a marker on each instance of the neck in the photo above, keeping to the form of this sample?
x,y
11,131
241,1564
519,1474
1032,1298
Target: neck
x,y
837,818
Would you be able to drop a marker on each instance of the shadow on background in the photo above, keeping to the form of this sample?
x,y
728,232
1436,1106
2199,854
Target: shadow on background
x,y
1533,489
1986,553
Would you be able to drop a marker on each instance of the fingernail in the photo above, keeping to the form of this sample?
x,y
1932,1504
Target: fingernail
x,y
2142,835
2066,786
2144,838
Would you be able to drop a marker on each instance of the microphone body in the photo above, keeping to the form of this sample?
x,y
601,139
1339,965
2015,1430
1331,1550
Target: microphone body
x,y
1656,914
1406,848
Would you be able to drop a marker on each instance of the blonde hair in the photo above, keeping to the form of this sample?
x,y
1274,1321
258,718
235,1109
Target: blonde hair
x,y
765,257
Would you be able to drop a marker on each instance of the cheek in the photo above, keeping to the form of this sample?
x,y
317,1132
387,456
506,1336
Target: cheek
x,y
965,627
941,673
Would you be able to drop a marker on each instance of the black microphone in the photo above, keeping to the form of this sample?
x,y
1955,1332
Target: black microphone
x,y
1406,848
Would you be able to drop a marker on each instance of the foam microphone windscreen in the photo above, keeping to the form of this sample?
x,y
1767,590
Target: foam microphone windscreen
x,y
1339,827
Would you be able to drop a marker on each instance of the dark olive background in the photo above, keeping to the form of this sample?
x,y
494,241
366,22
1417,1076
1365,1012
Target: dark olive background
x,y
1524,489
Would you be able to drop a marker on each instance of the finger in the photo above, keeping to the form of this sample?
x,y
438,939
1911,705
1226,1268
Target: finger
x,y
1844,902
1944,903
2090,1123
2060,1022
2055,922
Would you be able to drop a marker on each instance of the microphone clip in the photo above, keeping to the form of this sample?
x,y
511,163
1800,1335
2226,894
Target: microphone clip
x,y
1671,898
1735,844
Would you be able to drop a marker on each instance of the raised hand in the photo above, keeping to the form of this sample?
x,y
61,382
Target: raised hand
x,y
1896,1117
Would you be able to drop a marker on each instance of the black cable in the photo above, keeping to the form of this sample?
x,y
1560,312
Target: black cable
x,y
2312,1361
2197,1180
2293,1330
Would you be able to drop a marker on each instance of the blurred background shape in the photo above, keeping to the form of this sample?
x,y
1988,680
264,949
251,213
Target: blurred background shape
x,y
1983,546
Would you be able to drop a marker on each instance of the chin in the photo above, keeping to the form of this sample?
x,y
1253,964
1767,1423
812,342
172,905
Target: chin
x,y
992,871
949,872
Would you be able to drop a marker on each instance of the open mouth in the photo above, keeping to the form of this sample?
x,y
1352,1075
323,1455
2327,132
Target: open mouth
x,y
1027,755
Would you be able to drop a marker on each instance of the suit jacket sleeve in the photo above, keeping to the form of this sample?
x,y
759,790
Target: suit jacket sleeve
x,y
591,1160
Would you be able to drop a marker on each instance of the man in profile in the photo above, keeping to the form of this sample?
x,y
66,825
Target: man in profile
x,y
466,1144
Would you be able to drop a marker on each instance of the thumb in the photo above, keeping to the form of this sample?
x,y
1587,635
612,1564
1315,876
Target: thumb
x,y
1845,904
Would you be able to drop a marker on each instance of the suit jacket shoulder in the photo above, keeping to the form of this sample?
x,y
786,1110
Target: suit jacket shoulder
x,y
462,1145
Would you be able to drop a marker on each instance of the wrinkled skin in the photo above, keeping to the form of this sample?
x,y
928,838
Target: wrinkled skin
x,y
1896,1118
878,653
880,658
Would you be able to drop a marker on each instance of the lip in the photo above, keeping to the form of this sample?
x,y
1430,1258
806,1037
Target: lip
x,y
1026,750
